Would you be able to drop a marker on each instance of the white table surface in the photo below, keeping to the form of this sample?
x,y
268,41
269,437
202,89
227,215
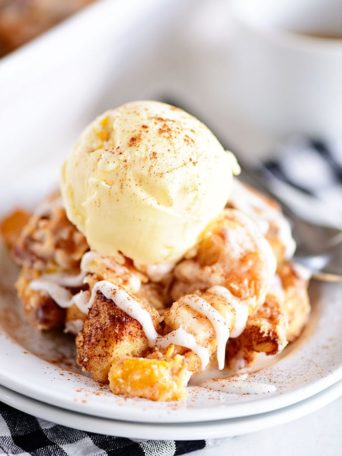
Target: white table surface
x,y
317,434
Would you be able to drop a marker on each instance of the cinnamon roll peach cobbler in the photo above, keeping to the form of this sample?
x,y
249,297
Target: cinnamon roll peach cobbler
x,y
156,258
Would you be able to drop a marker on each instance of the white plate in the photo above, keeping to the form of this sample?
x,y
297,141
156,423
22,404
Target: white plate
x,y
41,366
187,431
51,105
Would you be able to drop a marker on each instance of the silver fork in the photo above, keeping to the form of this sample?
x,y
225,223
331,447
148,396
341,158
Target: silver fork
x,y
319,247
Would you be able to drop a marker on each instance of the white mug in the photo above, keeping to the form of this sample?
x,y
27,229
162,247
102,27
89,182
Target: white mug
x,y
285,78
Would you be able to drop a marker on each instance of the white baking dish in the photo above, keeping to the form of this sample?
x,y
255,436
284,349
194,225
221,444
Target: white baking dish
x,y
51,88
111,52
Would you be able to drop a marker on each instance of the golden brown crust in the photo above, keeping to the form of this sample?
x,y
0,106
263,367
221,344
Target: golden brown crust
x,y
278,321
265,331
268,212
155,294
113,344
117,269
181,315
228,254
297,302
109,333
49,241
73,313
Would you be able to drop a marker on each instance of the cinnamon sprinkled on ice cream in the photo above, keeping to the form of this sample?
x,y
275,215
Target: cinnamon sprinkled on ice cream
x,y
146,179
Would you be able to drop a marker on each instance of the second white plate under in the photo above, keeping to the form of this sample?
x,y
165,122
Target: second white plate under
x,y
41,366
189,431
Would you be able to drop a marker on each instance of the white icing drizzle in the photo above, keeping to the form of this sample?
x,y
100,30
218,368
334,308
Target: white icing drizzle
x,y
60,295
67,280
157,272
244,200
220,325
240,309
88,257
184,339
121,298
135,283
73,326
46,207
239,386
263,246
126,303
134,280
277,288
81,300
53,285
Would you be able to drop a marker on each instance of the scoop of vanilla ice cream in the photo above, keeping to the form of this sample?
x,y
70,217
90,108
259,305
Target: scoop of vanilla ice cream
x,y
146,179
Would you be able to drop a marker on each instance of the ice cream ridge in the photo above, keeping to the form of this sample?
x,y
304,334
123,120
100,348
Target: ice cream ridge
x,y
146,179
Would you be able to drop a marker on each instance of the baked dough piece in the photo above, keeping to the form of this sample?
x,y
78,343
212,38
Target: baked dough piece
x,y
110,333
49,242
267,217
42,243
231,274
278,321
231,253
40,309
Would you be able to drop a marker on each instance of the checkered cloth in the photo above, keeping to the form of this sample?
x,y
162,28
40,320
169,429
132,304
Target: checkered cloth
x,y
310,165
307,174
22,434
304,172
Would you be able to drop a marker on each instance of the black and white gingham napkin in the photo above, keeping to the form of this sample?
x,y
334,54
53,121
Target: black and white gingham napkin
x,y
24,435
312,166
307,170
307,174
